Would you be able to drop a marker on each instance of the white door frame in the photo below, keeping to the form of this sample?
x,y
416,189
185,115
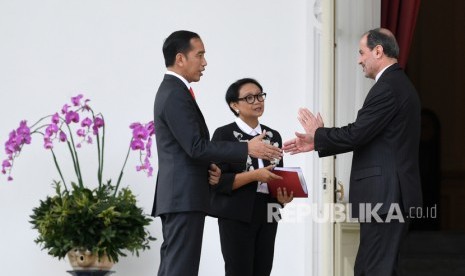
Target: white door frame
x,y
341,93
324,103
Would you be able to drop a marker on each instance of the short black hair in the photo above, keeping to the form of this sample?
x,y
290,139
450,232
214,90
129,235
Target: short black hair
x,y
388,42
232,94
177,42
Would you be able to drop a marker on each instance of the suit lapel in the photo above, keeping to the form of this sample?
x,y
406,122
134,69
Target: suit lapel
x,y
203,125
199,112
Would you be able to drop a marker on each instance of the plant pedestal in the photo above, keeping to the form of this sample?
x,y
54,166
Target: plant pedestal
x,y
90,272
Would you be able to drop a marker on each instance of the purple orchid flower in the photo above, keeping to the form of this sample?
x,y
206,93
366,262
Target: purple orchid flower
x,y
64,109
87,122
81,132
150,126
140,132
6,163
148,147
48,143
24,132
77,100
86,105
72,116
55,118
137,144
50,130
63,137
98,123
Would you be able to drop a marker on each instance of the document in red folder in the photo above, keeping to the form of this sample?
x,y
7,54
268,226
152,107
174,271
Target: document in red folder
x,y
293,180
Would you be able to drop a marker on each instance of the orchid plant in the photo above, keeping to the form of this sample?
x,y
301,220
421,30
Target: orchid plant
x,y
90,126
104,220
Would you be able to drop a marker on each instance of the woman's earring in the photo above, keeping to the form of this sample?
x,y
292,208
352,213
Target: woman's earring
x,y
237,111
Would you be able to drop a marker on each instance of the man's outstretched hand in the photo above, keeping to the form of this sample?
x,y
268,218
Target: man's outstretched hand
x,y
301,143
261,150
304,142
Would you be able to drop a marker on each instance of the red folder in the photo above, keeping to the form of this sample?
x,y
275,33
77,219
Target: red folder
x,y
293,180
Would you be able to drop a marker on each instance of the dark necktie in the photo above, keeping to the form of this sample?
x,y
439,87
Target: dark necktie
x,y
192,93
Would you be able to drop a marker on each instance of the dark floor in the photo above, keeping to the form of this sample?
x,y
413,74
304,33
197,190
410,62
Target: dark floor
x,y
433,253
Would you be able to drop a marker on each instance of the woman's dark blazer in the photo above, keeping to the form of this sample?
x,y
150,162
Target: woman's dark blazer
x,y
237,204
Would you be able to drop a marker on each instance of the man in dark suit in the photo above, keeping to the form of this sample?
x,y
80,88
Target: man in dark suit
x,y
384,138
185,154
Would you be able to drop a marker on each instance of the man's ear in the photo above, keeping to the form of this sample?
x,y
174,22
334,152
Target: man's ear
x,y
180,60
378,51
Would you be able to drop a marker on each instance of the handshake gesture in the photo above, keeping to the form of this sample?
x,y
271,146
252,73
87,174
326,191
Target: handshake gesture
x,y
258,149
304,142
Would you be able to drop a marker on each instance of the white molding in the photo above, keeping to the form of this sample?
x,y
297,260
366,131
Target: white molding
x,y
345,257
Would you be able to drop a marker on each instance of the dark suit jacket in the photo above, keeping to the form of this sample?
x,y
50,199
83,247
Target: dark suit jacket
x,y
385,141
237,204
185,151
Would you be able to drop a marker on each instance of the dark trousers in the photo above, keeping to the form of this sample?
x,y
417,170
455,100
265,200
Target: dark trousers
x,y
378,252
248,248
182,243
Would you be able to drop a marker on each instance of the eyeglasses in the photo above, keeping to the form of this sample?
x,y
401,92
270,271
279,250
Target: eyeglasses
x,y
251,98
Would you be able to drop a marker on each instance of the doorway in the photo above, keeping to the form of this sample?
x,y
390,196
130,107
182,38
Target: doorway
x,y
436,243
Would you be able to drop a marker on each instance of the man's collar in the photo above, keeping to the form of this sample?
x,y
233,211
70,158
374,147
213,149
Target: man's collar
x,y
179,77
382,71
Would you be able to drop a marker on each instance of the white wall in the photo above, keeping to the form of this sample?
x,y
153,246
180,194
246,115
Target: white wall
x,y
110,50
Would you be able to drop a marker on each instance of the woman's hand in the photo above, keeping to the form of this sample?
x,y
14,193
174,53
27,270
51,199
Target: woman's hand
x,y
283,197
214,174
264,174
